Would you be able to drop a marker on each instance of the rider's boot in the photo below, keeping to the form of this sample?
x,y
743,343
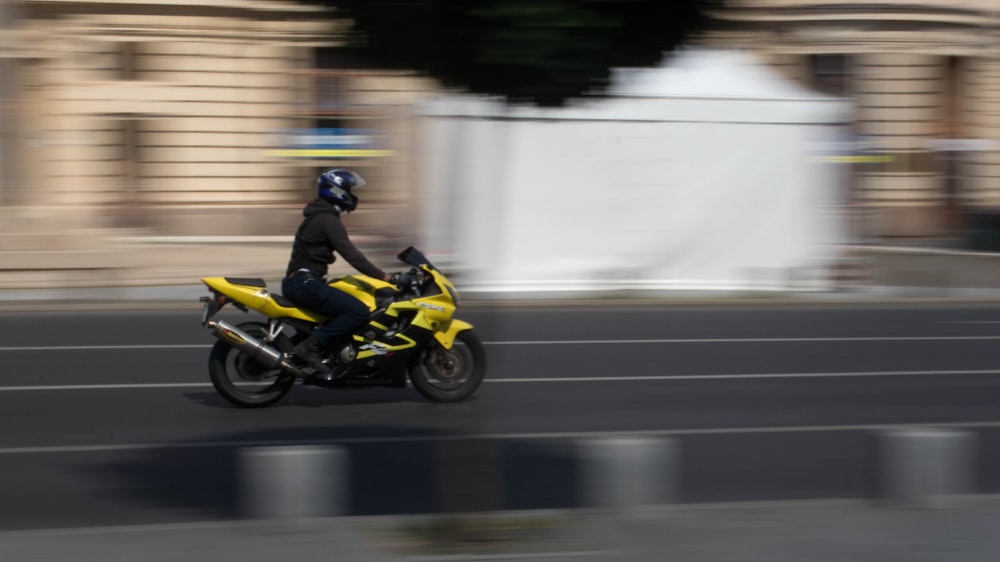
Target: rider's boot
x,y
311,350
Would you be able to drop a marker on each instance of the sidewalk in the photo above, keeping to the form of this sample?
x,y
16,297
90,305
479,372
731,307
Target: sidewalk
x,y
165,269
830,531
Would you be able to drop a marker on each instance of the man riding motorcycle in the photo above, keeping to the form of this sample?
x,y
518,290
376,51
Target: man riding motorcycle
x,y
320,234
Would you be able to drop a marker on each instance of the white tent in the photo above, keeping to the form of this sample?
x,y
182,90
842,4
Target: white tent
x,y
703,174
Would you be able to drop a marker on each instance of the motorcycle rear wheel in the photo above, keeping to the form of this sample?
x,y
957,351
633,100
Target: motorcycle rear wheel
x,y
450,375
244,381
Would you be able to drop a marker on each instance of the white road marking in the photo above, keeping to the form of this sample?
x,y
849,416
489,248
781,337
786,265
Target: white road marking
x,y
748,376
550,342
137,386
748,340
522,380
103,347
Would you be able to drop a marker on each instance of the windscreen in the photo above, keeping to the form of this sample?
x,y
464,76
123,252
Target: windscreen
x,y
414,257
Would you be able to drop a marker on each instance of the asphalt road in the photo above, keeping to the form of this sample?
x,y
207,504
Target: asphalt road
x,y
108,417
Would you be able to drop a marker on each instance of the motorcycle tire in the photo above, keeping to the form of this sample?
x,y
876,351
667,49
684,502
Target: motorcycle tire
x,y
449,375
244,381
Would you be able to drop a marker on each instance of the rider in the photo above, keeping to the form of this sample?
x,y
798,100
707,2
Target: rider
x,y
320,235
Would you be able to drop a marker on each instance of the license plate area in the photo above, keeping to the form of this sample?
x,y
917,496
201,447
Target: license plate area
x,y
212,305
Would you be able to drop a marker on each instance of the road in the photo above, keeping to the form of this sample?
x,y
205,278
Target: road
x,y
109,418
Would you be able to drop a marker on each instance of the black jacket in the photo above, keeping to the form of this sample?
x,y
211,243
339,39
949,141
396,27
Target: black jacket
x,y
320,235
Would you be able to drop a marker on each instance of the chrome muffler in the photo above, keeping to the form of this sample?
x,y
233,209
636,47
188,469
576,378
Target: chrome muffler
x,y
253,347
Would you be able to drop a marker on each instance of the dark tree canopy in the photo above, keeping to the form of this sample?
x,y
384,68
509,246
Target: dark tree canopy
x,y
538,51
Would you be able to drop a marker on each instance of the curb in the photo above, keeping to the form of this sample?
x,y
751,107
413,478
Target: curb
x,y
171,296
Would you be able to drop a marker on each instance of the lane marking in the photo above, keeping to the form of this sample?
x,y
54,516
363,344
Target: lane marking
x,y
551,342
748,340
523,380
750,376
103,347
502,436
123,386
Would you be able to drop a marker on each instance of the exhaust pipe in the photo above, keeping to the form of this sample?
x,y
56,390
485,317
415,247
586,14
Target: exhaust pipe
x,y
252,346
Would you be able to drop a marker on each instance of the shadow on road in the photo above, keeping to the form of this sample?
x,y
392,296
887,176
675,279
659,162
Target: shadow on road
x,y
315,397
409,470
392,471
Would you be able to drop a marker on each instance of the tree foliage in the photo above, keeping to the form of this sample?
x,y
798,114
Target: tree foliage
x,y
539,51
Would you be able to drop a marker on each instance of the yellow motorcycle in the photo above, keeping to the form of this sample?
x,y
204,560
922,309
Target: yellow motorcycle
x,y
411,330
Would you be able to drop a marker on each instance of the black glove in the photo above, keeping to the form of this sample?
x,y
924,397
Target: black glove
x,y
399,279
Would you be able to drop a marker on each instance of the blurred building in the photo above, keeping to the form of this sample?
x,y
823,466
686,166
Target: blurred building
x,y
176,117
925,77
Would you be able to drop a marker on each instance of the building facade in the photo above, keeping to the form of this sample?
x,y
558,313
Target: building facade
x,y
177,117
925,79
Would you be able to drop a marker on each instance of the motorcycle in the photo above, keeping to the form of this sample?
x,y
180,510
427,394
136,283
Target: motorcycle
x,y
411,333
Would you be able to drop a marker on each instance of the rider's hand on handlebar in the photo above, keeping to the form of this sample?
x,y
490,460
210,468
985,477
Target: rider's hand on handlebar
x,y
399,279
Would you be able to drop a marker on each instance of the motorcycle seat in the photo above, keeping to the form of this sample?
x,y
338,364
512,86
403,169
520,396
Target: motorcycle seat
x,y
258,282
247,281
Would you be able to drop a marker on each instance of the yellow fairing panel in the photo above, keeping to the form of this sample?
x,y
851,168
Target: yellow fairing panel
x,y
447,337
367,349
360,287
259,299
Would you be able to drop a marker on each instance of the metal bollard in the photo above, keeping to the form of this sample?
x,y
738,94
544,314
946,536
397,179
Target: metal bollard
x,y
293,483
628,473
926,467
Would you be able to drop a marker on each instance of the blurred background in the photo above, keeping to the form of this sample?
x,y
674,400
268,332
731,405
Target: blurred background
x,y
527,146
126,126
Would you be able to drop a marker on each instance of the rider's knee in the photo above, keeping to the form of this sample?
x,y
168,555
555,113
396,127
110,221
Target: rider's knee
x,y
358,312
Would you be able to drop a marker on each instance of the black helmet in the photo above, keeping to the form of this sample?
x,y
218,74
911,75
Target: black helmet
x,y
335,185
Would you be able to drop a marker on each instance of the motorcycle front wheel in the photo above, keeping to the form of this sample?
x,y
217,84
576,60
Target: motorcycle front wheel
x,y
450,375
244,381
